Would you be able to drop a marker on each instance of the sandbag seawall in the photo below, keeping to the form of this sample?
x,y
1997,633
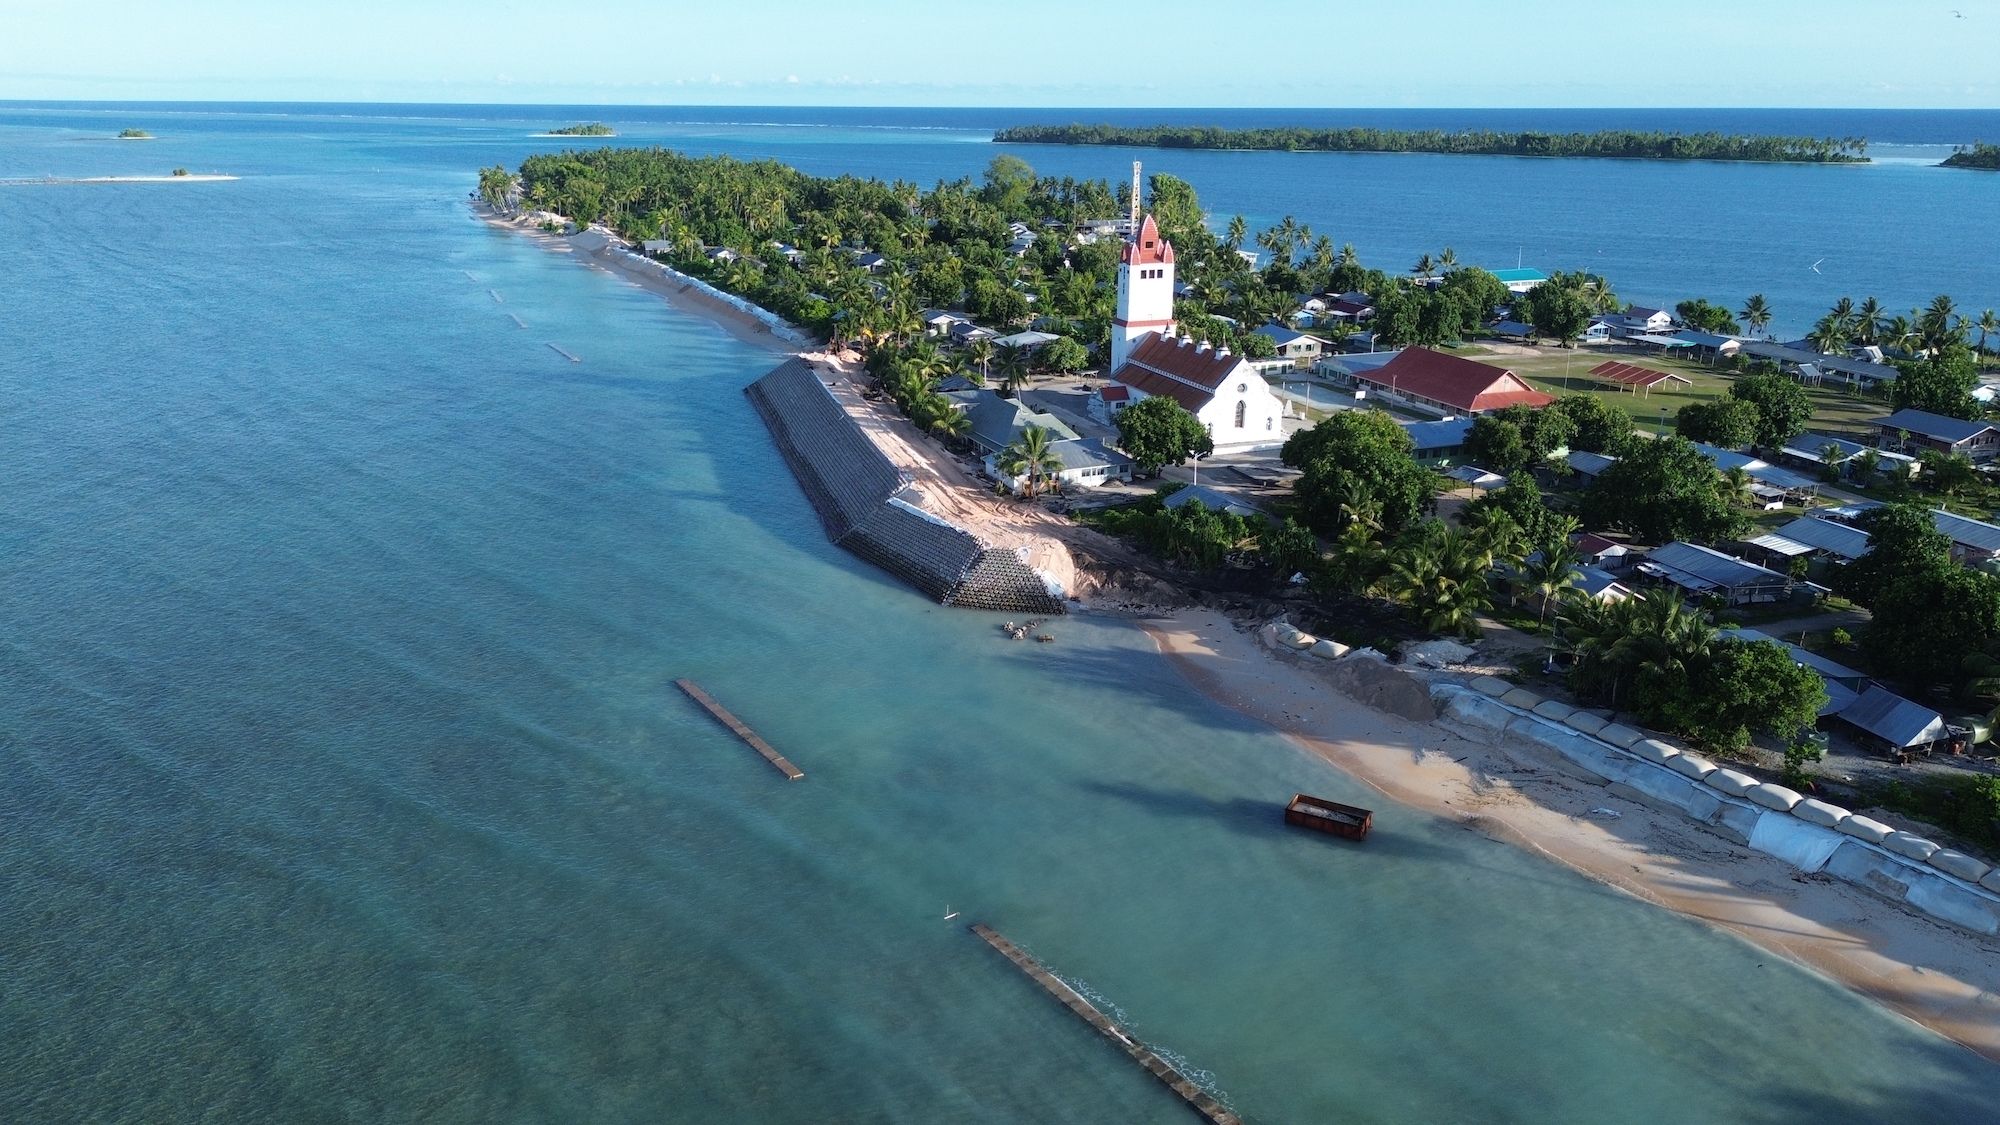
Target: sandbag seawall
x,y
858,493
1811,835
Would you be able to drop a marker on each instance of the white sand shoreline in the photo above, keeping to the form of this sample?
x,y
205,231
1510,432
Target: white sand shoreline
x,y
1944,979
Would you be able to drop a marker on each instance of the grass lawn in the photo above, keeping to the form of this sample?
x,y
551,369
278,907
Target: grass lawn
x,y
1562,372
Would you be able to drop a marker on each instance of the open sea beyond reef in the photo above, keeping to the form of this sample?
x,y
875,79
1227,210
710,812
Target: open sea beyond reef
x,y
342,776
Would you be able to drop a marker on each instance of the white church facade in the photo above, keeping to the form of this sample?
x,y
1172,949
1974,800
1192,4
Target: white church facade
x,y
1223,390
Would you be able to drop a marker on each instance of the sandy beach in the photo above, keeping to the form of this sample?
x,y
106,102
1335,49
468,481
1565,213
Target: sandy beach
x,y
1946,979
732,320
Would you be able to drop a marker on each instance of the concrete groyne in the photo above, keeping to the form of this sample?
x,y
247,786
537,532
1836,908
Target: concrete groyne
x,y
865,504
740,729
1197,1099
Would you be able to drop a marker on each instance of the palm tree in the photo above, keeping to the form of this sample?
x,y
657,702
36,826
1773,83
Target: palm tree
x,y
1868,321
1442,576
1447,261
1736,487
1756,313
1665,635
929,363
1830,456
1549,572
1899,332
1843,311
1940,322
1425,269
952,423
1829,336
979,351
1657,636
1237,230
1866,463
1030,456
1014,363
1988,323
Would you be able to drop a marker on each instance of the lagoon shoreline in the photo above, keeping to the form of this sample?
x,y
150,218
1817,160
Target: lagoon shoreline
x,y
1944,979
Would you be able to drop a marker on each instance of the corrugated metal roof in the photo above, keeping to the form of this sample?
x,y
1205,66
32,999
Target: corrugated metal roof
x,y
1087,453
1890,717
1755,468
1830,669
1476,476
1211,499
1438,435
1807,447
1701,568
1785,353
1838,699
1953,430
1779,545
1825,535
1966,531
1590,464
1464,384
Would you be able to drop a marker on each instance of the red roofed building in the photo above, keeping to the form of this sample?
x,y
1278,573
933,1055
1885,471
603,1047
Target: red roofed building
x,y
1149,361
1450,385
1222,390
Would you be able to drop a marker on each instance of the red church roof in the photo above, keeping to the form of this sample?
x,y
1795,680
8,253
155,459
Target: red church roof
x,y
1178,368
1464,384
1149,249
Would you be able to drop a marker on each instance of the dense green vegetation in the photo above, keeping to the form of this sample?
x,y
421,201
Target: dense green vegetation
x,y
1980,155
1159,431
134,135
1969,806
592,129
1472,142
1660,658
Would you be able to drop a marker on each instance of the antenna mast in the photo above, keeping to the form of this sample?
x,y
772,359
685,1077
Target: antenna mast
x,y
1135,199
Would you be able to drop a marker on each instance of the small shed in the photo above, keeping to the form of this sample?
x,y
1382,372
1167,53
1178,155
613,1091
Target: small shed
x,y
1893,719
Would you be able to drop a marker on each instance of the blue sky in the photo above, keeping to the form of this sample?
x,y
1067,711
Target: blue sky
x,y
1027,52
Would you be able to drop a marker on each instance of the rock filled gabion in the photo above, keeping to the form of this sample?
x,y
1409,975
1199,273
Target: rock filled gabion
x,y
855,490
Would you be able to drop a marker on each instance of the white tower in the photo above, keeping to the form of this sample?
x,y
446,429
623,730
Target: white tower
x,y
1145,291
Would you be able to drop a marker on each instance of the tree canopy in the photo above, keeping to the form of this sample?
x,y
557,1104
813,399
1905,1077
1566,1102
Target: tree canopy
x,y
1628,144
1742,686
1783,407
1358,459
1731,423
1662,491
1903,541
1600,426
1926,623
1701,315
1941,383
1159,431
1514,438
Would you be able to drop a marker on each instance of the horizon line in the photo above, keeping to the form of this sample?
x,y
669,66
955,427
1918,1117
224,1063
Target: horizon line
x,y
978,106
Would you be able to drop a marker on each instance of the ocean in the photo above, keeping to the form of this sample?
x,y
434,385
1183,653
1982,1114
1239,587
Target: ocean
x,y
342,776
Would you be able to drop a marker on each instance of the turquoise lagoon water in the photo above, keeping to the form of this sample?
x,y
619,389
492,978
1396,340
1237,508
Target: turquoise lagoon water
x,y
342,776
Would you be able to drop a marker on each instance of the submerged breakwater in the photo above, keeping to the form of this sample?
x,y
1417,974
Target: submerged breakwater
x,y
864,502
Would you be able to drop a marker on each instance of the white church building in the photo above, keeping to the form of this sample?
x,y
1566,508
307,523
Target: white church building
x,y
1223,390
